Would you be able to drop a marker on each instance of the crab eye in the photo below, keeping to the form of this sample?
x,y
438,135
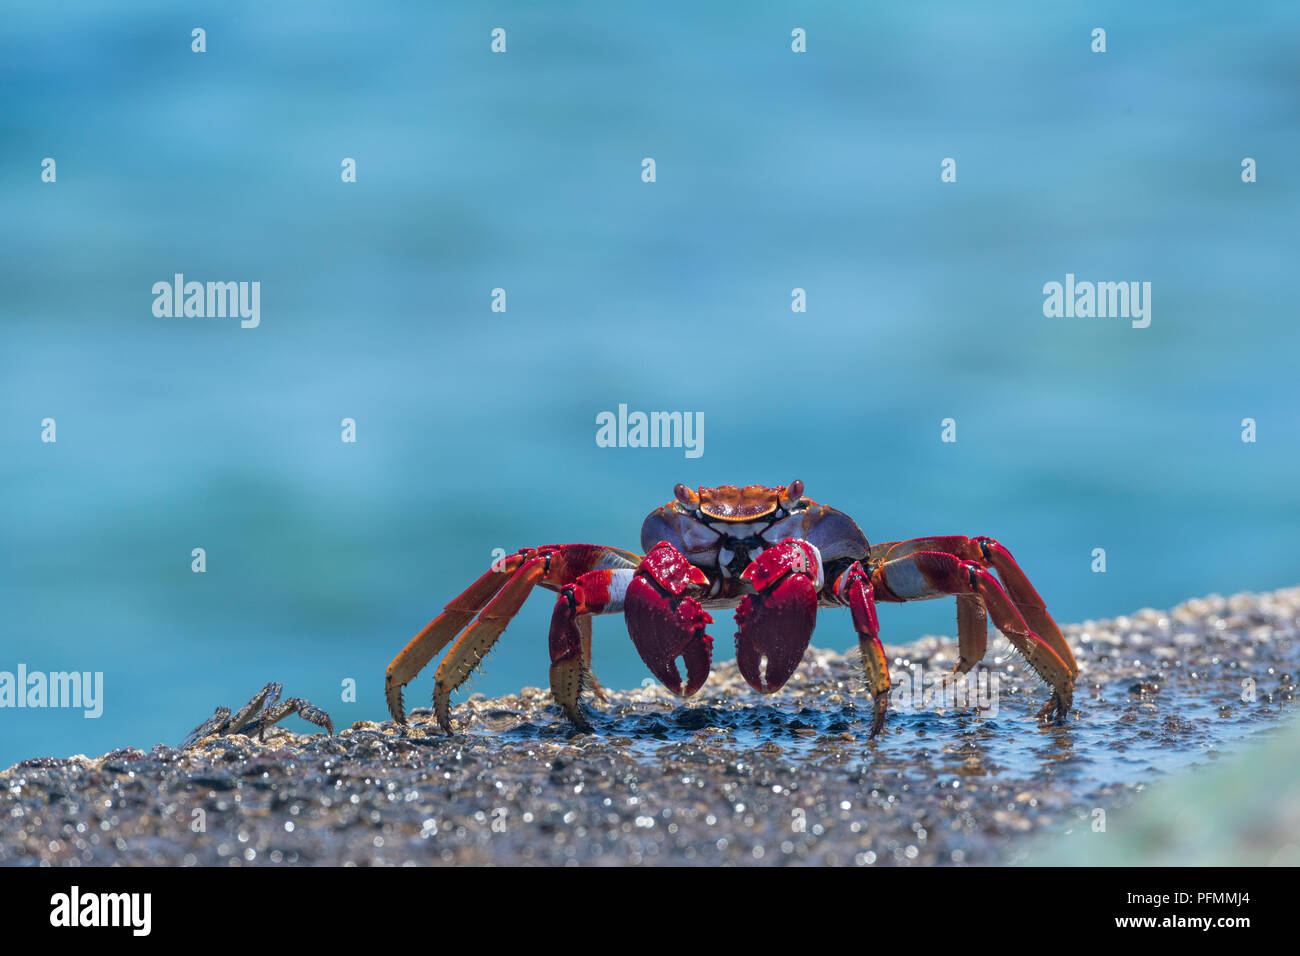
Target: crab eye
x,y
685,495
793,492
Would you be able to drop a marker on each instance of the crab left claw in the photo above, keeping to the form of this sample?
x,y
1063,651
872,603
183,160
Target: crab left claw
x,y
666,621
776,621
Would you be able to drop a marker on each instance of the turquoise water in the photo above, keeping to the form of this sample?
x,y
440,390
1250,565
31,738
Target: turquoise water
x,y
476,429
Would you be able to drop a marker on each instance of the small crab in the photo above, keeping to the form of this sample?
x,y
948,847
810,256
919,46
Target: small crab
x,y
770,553
257,715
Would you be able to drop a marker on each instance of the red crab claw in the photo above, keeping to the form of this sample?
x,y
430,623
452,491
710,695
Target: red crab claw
x,y
666,621
776,622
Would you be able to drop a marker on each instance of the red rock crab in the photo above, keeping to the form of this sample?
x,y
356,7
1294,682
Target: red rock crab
x,y
770,553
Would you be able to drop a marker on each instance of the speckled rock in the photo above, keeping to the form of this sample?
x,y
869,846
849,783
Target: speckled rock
x,y
730,777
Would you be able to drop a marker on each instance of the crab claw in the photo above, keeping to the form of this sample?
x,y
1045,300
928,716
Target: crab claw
x,y
776,622
667,622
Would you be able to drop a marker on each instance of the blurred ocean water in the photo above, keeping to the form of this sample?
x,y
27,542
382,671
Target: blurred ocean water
x,y
476,429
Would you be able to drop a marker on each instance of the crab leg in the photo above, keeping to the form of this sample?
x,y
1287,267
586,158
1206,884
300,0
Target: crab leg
x,y
222,722
989,553
972,632
495,598
596,592
853,589
584,631
260,713
472,646
218,722
438,632
272,715
930,574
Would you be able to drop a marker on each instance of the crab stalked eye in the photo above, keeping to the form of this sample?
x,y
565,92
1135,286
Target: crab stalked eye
x,y
792,493
687,497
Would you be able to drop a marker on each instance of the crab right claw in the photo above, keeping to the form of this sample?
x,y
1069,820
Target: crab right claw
x,y
666,621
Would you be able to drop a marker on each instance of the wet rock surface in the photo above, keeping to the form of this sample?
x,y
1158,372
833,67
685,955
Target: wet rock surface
x,y
731,777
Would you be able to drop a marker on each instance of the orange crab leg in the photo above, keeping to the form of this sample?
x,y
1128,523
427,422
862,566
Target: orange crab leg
x,y
439,632
989,553
929,574
472,646
495,597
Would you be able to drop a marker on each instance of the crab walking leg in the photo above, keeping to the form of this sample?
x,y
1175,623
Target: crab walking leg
x,y
1026,598
438,632
931,574
775,623
271,716
554,568
972,632
853,589
218,722
597,592
584,629
563,563
257,705
472,646
262,712
257,715
989,553
666,620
